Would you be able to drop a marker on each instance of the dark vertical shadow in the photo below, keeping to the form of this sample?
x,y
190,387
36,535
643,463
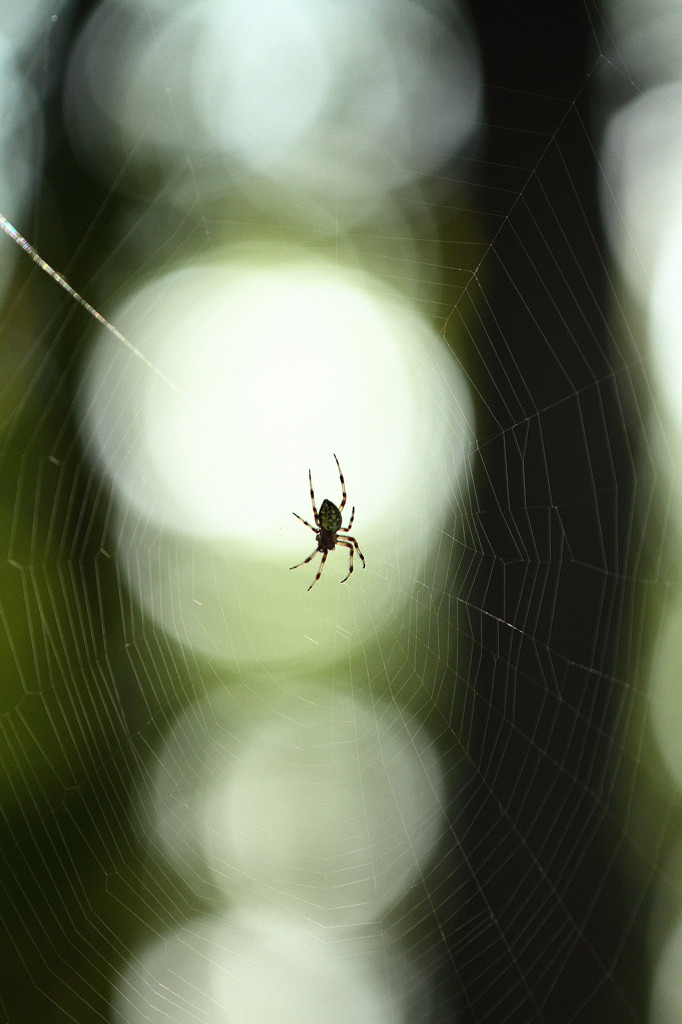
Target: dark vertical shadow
x,y
544,931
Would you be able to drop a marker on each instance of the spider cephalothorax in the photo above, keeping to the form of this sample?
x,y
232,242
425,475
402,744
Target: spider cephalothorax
x,y
327,527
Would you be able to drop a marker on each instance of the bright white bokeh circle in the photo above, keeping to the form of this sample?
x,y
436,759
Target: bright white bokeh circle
x,y
227,91
248,372
310,804
231,969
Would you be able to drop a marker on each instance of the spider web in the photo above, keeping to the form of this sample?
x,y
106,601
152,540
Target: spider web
x,y
453,813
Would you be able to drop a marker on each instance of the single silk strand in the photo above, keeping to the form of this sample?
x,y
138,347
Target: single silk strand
x,y
10,230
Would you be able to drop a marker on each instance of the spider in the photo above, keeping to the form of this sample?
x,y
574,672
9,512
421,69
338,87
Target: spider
x,y
327,528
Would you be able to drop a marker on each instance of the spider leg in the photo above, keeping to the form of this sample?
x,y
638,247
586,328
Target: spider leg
x,y
343,486
313,528
305,560
319,571
347,541
345,529
350,550
312,498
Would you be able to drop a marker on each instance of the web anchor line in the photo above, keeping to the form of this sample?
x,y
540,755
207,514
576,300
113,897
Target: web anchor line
x,y
10,230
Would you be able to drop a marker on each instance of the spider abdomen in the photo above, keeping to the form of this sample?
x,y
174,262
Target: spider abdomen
x,y
330,517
